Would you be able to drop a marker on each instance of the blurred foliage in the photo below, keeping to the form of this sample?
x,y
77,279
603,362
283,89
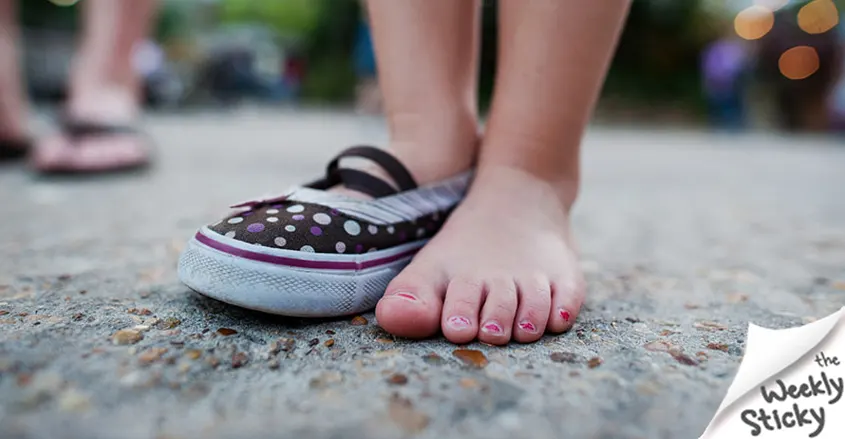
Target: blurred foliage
x,y
328,49
296,17
657,58
322,30
658,54
43,14
171,22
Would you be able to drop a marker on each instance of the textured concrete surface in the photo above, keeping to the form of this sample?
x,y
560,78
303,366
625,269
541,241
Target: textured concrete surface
x,y
687,237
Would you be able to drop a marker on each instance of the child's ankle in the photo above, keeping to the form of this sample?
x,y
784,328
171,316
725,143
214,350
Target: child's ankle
x,y
433,151
562,186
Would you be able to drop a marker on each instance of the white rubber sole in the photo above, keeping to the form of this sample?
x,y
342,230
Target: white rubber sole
x,y
287,282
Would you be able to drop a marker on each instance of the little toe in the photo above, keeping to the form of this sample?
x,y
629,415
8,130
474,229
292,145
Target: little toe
x,y
567,297
534,295
498,312
412,303
461,309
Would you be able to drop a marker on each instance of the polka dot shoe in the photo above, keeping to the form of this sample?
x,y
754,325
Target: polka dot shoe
x,y
317,253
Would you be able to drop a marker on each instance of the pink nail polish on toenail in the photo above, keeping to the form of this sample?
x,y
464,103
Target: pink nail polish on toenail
x,y
528,326
459,322
407,296
564,314
492,328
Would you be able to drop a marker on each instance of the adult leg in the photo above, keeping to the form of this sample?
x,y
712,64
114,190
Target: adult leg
x,y
504,263
105,88
12,99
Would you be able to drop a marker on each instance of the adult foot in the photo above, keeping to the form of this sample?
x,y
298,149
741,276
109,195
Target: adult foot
x,y
503,267
97,146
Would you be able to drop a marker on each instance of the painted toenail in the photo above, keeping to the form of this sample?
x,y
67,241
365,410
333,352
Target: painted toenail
x,y
459,322
407,296
528,326
492,328
564,314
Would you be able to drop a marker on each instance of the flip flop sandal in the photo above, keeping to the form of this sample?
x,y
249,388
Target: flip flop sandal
x,y
77,130
316,253
14,149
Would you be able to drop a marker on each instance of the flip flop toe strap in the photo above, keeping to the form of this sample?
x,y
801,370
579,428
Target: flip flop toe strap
x,y
79,129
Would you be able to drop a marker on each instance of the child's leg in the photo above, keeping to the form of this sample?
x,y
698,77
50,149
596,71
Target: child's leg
x,y
104,86
427,56
12,100
503,265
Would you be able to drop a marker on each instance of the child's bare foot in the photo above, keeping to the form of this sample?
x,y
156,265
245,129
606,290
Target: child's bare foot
x,y
503,267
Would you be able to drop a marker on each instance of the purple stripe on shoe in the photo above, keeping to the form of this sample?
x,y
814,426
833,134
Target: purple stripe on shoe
x,y
300,263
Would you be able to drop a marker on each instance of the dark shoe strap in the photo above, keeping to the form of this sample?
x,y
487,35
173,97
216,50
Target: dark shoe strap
x,y
362,182
77,129
394,168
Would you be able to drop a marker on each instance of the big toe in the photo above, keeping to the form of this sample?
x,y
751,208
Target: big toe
x,y
412,303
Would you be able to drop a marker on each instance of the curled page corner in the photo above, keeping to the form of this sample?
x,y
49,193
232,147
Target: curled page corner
x,y
767,353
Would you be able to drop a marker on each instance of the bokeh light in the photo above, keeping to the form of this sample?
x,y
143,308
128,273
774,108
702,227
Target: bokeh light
x,y
818,16
754,22
799,62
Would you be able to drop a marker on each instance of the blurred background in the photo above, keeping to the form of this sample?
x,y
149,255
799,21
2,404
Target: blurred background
x,y
729,64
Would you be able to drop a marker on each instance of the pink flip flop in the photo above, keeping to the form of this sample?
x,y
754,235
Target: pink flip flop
x,y
66,160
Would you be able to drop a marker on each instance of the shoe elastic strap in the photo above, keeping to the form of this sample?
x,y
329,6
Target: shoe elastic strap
x,y
393,167
362,182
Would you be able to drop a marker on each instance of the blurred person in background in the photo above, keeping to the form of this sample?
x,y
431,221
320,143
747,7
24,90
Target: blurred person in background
x,y
805,104
293,74
97,130
725,65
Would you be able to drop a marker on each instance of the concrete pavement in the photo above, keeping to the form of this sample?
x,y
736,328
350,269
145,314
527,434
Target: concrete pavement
x,y
687,237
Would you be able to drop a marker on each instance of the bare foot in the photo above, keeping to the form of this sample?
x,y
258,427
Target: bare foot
x,y
503,267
